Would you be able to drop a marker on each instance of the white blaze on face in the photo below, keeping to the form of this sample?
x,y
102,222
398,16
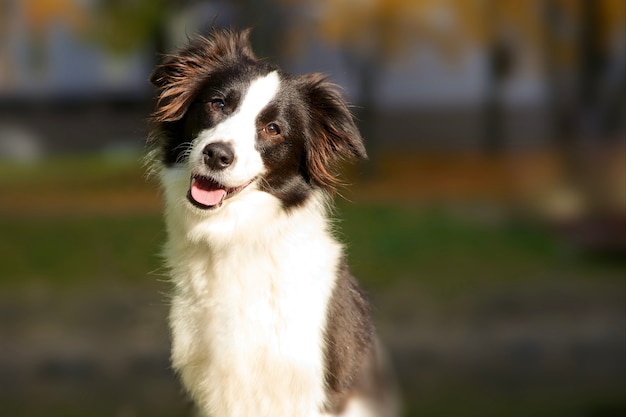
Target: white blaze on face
x,y
239,130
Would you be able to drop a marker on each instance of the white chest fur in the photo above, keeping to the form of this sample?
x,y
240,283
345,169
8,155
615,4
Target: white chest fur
x,y
249,311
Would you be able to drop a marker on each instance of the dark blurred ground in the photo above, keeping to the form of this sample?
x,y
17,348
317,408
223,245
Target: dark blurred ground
x,y
545,350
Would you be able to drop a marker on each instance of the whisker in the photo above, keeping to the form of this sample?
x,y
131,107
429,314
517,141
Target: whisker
x,y
184,154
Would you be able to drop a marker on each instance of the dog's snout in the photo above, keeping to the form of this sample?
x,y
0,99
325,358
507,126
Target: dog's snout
x,y
218,155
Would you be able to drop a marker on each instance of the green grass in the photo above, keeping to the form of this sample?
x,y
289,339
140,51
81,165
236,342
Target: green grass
x,y
76,248
452,254
75,171
385,244
80,250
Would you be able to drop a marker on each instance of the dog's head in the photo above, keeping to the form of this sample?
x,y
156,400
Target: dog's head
x,y
235,124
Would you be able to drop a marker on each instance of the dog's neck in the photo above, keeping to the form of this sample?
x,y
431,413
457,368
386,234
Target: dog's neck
x,y
257,224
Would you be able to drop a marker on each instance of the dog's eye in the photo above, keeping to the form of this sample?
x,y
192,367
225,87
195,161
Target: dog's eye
x,y
217,104
272,129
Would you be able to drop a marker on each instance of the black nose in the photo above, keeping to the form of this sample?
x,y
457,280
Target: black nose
x,y
218,155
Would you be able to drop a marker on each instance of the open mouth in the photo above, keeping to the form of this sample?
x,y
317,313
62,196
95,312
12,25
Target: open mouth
x,y
206,193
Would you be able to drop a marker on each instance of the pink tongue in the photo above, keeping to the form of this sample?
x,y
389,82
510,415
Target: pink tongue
x,y
207,192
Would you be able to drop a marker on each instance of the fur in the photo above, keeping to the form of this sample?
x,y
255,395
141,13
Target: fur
x,y
266,319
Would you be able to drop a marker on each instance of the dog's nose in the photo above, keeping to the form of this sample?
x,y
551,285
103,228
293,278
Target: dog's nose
x,y
218,155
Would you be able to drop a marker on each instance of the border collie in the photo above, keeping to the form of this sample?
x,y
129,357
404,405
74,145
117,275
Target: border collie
x,y
266,319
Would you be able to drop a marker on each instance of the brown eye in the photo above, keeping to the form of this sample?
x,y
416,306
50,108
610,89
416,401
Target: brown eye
x,y
272,129
216,104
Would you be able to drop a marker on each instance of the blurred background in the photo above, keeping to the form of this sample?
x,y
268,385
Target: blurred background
x,y
488,226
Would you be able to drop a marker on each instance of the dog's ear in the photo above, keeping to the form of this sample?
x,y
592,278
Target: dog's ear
x,y
181,74
334,137
174,79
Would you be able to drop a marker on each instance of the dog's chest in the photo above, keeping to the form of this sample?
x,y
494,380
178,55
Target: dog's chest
x,y
248,329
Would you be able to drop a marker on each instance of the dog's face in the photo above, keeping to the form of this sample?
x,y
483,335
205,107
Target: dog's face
x,y
235,125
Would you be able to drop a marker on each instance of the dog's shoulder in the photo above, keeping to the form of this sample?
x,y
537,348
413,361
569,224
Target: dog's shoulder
x,y
349,337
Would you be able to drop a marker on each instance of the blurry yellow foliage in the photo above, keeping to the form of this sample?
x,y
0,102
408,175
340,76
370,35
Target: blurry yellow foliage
x,y
453,24
41,13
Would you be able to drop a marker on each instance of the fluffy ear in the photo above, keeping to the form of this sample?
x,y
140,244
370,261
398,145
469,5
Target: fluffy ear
x,y
334,137
181,73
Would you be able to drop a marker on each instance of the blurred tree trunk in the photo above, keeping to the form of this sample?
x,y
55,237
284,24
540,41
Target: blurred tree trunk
x,y
563,78
7,71
573,84
365,64
559,83
591,66
266,19
499,65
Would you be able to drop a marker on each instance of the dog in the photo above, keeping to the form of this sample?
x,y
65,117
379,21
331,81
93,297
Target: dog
x,y
265,318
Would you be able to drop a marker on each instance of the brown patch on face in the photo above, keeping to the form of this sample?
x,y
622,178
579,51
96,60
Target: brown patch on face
x,y
181,75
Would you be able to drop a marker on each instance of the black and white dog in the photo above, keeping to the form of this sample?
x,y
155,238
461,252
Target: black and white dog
x,y
266,320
